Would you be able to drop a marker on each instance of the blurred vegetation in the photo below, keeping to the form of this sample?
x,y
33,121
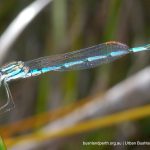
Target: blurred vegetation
x,y
2,145
67,25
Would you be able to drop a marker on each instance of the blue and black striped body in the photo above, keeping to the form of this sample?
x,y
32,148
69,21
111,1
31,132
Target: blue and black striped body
x,y
77,60
80,59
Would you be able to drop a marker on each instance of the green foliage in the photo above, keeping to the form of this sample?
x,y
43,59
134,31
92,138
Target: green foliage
x,y
2,144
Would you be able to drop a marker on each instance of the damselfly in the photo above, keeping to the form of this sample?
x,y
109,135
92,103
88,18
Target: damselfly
x,y
80,59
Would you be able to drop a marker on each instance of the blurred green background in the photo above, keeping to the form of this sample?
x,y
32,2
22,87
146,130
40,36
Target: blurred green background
x,y
67,25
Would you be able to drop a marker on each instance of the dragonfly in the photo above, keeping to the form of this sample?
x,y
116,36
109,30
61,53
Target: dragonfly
x,y
77,60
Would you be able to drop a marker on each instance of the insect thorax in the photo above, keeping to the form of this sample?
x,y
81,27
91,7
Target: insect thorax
x,y
14,70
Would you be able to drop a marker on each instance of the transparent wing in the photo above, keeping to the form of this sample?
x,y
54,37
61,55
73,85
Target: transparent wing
x,y
80,59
